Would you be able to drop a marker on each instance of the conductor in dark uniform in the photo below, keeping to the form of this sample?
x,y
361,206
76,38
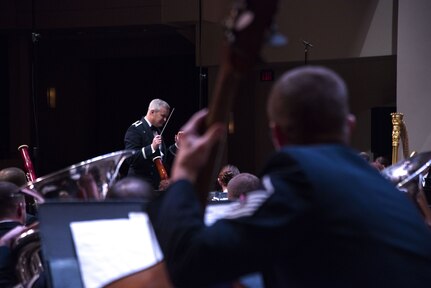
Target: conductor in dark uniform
x,y
144,135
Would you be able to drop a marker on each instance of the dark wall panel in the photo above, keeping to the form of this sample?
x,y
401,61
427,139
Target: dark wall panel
x,y
104,82
381,131
4,97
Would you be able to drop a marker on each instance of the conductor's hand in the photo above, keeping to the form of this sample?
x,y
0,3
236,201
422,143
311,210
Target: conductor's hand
x,y
178,138
195,148
157,140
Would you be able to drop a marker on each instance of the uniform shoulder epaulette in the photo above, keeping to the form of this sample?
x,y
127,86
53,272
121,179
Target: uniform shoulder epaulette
x,y
137,123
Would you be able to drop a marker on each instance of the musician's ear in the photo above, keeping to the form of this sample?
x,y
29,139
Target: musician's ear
x,y
279,139
150,114
351,120
351,124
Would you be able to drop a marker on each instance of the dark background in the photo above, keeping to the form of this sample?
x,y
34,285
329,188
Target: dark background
x,y
108,59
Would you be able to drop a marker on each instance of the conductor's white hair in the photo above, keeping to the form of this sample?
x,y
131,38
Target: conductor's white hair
x,y
157,104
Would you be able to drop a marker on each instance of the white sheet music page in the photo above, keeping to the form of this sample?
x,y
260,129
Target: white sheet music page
x,y
108,250
217,211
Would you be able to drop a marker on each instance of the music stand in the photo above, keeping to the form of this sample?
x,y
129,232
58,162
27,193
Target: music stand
x,y
58,250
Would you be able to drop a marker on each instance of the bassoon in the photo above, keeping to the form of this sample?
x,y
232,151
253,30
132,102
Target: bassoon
x,y
28,164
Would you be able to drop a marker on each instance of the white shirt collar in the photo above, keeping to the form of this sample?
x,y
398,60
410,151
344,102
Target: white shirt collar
x,y
148,122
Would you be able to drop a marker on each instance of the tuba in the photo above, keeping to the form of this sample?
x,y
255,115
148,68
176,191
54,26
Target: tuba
x,y
87,180
27,252
408,176
414,167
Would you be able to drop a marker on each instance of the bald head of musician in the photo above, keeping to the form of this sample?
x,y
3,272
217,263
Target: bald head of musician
x,y
241,184
309,105
12,206
18,177
158,112
131,188
14,175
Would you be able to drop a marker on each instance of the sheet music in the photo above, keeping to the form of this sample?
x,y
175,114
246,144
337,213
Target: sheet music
x,y
108,250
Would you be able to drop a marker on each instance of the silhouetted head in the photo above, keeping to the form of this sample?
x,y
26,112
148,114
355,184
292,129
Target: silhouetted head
x,y
131,188
12,203
309,105
226,174
13,175
241,184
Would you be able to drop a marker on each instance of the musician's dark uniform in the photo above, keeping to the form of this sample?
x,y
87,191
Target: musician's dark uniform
x,y
8,276
139,136
7,272
4,257
326,219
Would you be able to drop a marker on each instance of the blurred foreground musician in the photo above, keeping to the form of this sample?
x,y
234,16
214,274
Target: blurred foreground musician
x,y
326,218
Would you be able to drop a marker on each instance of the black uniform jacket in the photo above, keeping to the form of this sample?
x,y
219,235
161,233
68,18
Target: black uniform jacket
x,y
326,219
139,136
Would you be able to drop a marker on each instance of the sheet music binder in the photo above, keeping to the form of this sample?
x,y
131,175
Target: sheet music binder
x,y
58,250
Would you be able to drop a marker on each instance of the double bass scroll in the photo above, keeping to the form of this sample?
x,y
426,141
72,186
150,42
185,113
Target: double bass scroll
x,y
246,28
